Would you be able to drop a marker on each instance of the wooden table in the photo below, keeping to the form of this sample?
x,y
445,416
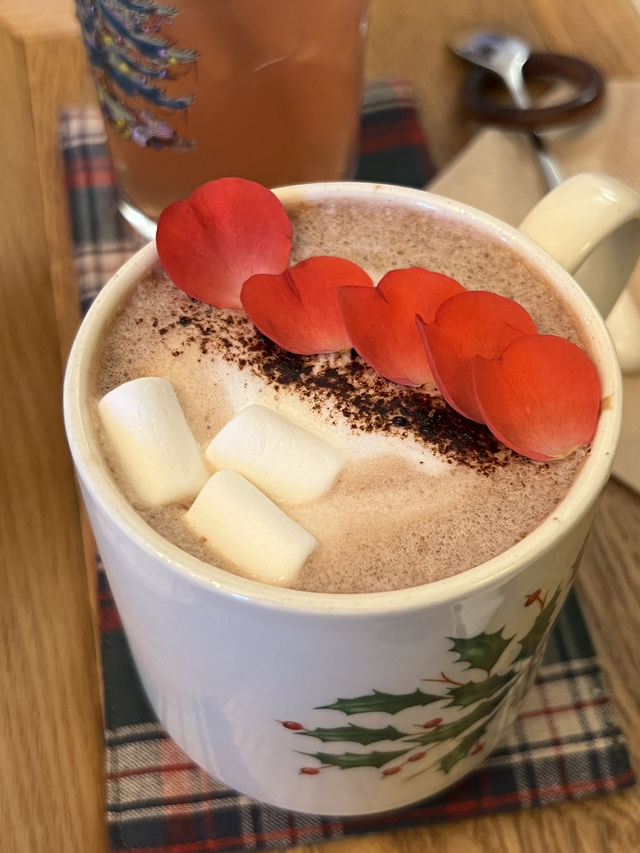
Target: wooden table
x,y
51,779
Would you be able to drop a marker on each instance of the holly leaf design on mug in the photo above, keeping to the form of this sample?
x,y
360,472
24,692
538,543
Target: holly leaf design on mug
x,y
355,734
481,651
481,698
348,760
446,731
377,700
532,639
474,691
462,749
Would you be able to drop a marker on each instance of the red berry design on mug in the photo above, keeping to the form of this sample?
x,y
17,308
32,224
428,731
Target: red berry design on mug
x,y
417,756
534,597
431,724
379,732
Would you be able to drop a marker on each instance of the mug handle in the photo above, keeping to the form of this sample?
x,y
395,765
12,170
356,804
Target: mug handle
x,y
590,224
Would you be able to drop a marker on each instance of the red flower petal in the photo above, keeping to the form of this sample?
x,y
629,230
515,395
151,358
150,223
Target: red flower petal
x,y
226,231
472,323
298,309
541,397
381,321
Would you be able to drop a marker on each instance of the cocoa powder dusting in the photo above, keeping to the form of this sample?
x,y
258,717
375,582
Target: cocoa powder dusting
x,y
353,390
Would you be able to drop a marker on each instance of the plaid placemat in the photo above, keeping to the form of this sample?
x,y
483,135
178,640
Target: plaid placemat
x,y
566,744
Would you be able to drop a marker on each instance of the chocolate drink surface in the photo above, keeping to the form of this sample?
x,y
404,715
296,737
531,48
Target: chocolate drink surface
x,y
425,493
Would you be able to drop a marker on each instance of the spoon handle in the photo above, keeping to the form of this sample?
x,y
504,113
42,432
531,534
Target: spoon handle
x,y
547,164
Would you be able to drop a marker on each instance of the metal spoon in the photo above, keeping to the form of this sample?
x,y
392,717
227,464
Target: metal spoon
x,y
505,55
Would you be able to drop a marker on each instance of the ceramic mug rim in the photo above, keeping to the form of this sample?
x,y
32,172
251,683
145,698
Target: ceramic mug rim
x,y
583,492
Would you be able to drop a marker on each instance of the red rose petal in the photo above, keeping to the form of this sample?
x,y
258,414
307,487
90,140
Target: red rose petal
x,y
298,309
472,323
541,397
226,231
381,321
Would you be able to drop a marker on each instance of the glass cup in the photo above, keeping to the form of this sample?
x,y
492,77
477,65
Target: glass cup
x,y
317,702
198,89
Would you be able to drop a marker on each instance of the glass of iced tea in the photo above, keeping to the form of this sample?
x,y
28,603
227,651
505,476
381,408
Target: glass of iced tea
x,y
193,90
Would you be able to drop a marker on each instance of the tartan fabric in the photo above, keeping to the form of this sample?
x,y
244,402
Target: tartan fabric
x,y
566,744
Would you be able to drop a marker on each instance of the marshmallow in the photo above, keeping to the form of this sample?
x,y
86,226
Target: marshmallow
x,y
153,443
286,461
249,530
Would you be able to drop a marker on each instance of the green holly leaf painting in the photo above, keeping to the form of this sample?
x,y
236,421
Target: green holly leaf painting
x,y
448,761
355,734
347,760
473,691
387,703
530,642
455,728
481,651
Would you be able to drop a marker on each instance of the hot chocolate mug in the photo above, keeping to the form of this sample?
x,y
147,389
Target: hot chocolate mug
x,y
329,703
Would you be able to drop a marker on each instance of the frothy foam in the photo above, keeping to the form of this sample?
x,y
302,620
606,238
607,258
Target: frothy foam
x,y
425,493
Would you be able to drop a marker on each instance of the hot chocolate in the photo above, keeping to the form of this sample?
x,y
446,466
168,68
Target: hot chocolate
x,y
425,493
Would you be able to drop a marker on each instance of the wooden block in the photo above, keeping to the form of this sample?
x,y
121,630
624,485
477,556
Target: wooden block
x,y
50,715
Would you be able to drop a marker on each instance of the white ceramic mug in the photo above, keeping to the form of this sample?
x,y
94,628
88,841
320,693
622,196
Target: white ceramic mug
x,y
335,704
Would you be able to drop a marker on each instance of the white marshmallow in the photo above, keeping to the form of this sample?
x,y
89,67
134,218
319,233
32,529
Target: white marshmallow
x,y
153,442
285,460
249,530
